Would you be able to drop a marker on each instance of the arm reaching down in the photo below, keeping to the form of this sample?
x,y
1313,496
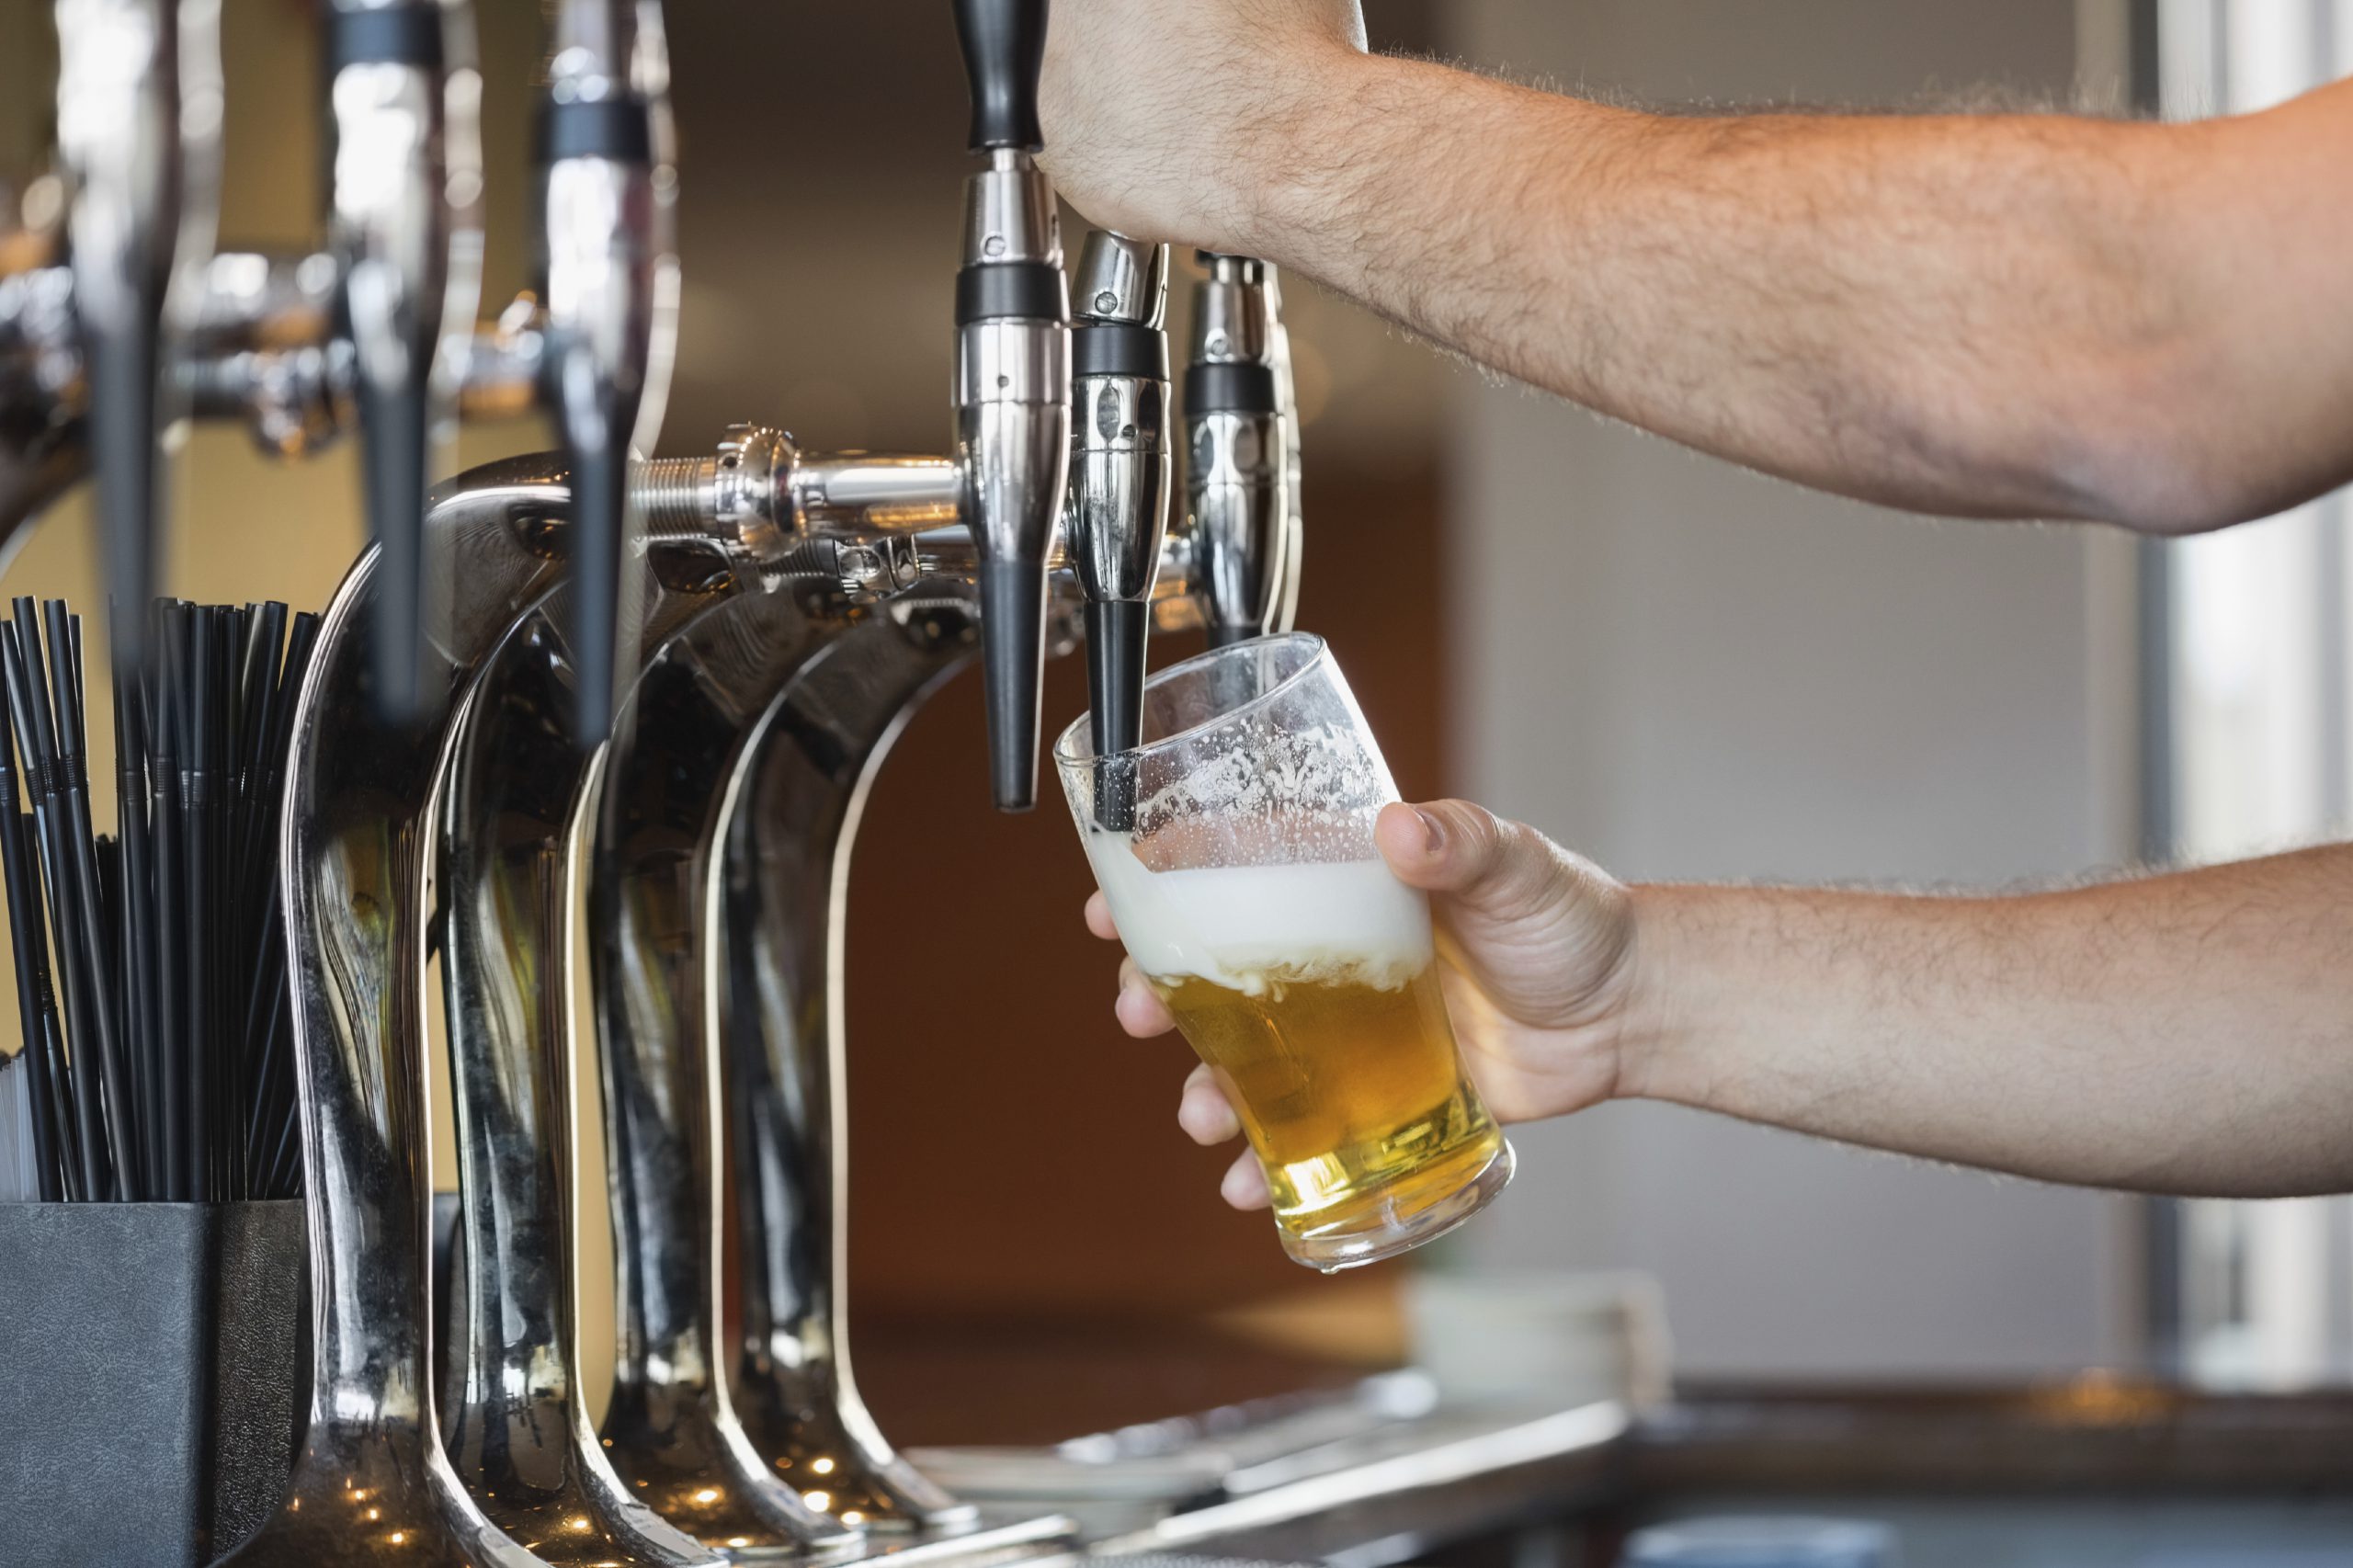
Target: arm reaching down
x,y
1997,316
2191,1033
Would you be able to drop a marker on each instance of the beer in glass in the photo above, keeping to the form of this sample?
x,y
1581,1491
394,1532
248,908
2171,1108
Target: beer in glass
x,y
1236,848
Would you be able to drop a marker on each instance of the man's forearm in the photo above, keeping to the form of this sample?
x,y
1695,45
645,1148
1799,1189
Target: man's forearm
x,y
2025,317
2191,1033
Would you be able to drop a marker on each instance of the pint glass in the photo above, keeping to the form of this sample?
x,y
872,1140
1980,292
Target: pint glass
x,y
1235,846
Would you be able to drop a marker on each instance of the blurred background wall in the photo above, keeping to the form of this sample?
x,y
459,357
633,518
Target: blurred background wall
x,y
1692,673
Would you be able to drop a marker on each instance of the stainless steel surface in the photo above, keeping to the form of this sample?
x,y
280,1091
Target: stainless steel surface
x,y
515,1424
119,136
610,331
752,737
1237,480
1454,1478
672,1431
1234,492
1010,212
1120,465
372,1483
763,501
1294,546
392,229
1122,280
782,849
1012,400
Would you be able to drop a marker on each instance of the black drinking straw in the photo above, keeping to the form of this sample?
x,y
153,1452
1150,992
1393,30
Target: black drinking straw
x,y
196,889
52,1039
164,899
23,928
29,711
74,787
268,1008
138,941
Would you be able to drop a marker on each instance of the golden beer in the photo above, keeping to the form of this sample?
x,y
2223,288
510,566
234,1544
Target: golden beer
x,y
1350,1089
1236,848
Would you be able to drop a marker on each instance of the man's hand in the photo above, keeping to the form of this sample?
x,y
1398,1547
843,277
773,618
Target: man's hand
x,y
1153,111
1536,950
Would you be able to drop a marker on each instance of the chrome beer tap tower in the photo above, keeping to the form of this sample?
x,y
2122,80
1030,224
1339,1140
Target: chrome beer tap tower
x,y
595,702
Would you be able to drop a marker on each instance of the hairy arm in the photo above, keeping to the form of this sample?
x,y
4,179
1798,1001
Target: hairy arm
x,y
2191,1033
1980,315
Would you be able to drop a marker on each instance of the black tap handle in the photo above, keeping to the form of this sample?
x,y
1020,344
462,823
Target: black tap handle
x,y
1004,48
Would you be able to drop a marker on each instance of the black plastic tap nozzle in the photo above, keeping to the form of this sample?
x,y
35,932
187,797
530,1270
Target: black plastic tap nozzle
x,y
1004,50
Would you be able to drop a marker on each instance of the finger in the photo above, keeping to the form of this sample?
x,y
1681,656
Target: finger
x,y
1458,849
1245,1185
1099,917
1204,1112
1143,1014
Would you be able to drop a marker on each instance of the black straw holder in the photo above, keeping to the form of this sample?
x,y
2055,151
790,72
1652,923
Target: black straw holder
x,y
151,1378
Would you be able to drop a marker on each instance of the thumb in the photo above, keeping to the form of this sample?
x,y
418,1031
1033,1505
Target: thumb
x,y
1464,852
1545,934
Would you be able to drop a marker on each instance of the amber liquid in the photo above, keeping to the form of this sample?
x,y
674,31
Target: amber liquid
x,y
1351,1092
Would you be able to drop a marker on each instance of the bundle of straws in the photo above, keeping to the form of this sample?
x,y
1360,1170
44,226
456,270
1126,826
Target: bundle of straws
x,y
157,1059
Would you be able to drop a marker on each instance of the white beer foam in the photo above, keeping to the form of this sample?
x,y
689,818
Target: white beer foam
x,y
1250,929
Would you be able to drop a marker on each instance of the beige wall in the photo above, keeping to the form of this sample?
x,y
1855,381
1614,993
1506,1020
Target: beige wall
x,y
1690,672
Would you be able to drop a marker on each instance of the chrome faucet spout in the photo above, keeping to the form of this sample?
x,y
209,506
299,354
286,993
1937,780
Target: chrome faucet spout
x,y
395,233
1236,483
1120,472
1013,370
610,332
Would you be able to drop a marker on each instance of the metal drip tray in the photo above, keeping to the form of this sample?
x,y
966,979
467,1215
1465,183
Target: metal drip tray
x,y
1228,1451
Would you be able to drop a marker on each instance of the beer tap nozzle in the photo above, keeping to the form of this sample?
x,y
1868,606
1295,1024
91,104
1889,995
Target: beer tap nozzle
x,y
1013,370
391,231
1236,487
120,133
1119,470
604,263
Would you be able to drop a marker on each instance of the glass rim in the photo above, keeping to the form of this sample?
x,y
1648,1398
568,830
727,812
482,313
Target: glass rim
x,y
1319,652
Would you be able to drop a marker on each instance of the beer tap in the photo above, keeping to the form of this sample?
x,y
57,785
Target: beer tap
x,y
1286,411
608,335
390,231
1119,468
1013,370
1236,486
118,131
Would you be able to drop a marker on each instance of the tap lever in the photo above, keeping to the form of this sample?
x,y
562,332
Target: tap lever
x,y
1004,50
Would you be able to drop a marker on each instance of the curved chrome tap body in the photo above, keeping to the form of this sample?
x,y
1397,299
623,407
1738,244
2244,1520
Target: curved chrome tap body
x,y
780,884
373,1484
672,1430
514,1422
